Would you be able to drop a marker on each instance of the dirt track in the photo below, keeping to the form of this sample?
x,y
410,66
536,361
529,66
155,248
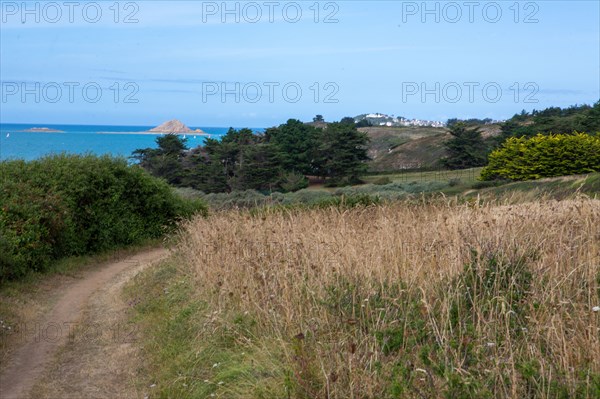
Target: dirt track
x,y
77,349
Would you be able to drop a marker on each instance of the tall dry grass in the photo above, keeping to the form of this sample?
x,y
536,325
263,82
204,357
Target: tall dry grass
x,y
430,300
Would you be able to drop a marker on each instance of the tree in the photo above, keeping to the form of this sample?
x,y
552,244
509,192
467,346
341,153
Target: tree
x,y
343,153
466,149
577,118
171,144
241,160
260,169
364,123
164,161
206,172
347,120
318,118
296,144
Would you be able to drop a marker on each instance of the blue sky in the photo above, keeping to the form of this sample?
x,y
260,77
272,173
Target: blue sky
x,y
193,61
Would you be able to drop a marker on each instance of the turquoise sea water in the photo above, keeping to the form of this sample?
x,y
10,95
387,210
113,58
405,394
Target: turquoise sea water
x,y
79,139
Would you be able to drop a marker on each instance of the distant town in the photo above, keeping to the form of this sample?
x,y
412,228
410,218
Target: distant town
x,y
378,119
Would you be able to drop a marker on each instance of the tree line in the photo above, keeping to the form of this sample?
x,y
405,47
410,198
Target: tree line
x,y
468,148
280,159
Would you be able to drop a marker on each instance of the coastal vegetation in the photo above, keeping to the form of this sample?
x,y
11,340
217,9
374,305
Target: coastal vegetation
x,y
70,205
277,160
284,158
577,118
407,188
415,283
435,298
316,276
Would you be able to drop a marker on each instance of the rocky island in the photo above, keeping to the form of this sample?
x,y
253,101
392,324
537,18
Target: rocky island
x,y
175,127
42,130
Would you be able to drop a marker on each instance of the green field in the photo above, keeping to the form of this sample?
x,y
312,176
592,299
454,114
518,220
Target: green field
x,y
465,175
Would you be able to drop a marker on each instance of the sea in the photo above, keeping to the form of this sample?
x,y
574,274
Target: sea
x,y
17,143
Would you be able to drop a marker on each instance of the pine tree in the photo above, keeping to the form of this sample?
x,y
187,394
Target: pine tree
x,y
466,149
343,152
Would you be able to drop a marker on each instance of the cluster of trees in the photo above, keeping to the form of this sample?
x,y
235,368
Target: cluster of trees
x,y
577,118
283,157
278,160
468,148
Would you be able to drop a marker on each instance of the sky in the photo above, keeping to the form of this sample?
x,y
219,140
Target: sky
x,y
260,63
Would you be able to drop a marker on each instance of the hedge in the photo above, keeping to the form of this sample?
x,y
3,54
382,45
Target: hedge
x,y
544,156
67,205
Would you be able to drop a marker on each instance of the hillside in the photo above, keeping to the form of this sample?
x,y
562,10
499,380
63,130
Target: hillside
x,y
409,147
397,148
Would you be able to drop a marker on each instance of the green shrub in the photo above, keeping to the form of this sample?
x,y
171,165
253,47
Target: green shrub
x,y
544,156
343,181
382,181
236,199
306,197
67,205
455,181
293,182
488,183
396,189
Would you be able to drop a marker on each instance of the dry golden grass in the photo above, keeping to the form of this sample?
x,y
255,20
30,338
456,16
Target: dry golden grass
x,y
429,300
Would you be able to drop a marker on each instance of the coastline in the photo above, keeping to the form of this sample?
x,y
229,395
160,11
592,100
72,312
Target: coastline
x,y
40,131
159,133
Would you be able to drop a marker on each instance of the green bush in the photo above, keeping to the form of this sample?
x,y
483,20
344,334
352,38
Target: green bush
x,y
544,156
488,183
306,197
455,181
67,205
349,201
382,181
236,199
293,182
311,197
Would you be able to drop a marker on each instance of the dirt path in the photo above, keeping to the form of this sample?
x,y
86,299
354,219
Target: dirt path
x,y
83,337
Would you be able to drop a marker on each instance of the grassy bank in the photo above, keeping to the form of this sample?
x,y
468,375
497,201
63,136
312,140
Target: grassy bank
x,y
401,300
411,186
555,187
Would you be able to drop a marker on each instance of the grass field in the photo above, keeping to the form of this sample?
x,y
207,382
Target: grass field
x,y
441,175
462,185
407,300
